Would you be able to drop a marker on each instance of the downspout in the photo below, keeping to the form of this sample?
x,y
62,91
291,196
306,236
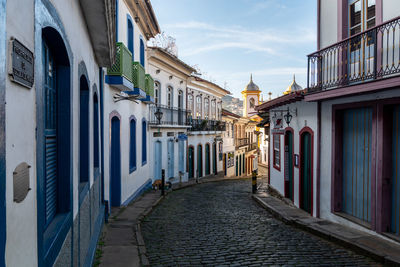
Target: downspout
x,y
318,159
101,85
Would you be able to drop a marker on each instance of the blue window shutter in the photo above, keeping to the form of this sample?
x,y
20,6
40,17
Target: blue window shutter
x,y
142,52
132,156
144,143
50,164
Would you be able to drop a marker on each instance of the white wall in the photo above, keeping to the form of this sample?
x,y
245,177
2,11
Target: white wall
x,y
329,22
390,9
20,144
306,116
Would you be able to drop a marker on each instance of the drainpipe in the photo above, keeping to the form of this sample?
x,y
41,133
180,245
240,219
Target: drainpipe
x,y
101,86
319,159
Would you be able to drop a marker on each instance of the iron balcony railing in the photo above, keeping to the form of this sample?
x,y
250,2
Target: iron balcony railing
x,y
123,63
370,55
253,146
170,115
239,142
206,125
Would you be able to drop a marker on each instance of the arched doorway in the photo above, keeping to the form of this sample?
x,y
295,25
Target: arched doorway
x,y
115,170
289,164
191,161
157,160
83,132
237,166
240,165
306,175
54,143
207,159
214,152
199,161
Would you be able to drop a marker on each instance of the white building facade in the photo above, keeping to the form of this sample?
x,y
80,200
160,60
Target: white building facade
x,y
229,148
51,172
168,133
204,105
128,92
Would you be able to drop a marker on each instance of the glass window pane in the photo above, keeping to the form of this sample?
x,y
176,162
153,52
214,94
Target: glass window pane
x,y
355,14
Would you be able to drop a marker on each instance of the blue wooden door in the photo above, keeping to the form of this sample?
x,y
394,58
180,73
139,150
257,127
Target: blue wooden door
x,y
191,162
357,142
157,160
182,156
171,158
115,170
200,161
207,159
395,212
305,156
51,151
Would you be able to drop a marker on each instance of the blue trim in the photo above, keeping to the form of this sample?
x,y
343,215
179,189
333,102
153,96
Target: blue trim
x,y
148,100
115,162
138,192
51,239
130,36
132,144
142,51
119,82
95,238
139,92
3,37
144,141
101,84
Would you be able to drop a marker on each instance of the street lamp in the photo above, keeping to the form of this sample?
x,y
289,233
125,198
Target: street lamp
x,y
158,115
288,117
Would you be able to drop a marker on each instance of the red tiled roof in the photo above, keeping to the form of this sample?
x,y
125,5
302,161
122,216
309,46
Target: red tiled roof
x,y
280,101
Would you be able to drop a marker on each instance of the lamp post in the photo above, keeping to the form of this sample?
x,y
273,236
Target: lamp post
x,y
158,115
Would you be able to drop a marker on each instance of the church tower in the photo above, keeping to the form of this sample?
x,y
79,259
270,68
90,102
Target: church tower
x,y
251,98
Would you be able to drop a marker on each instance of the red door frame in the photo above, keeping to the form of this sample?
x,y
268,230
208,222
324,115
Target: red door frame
x,y
311,132
288,129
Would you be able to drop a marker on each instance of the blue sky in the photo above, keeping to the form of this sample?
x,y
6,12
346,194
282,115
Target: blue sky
x,y
229,39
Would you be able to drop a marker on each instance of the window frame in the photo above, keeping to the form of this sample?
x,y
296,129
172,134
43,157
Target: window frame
x,y
276,163
144,142
157,92
132,144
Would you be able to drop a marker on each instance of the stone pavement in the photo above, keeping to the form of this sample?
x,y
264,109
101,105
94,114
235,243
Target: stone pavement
x,y
121,243
384,251
218,224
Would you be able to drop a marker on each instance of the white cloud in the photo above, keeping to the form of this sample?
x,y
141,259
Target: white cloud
x,y
211,38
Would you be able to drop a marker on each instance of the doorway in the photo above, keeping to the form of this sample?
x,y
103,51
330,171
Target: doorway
x,y
115,169
306,158
157,160
171,156
289,164
199,161
191,161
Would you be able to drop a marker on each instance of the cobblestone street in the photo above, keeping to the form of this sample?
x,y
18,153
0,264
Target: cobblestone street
x,y
219,224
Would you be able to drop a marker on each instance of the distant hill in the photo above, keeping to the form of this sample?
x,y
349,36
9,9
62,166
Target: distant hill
x,y
232,104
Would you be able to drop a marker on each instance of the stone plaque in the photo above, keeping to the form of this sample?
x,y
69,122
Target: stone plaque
x,y
21,182
21,64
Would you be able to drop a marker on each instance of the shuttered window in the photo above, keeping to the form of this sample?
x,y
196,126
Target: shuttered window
x,y
144,142
51,182
277,152
132,148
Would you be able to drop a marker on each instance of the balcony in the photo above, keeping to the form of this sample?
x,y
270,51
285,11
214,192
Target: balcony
x,y
372,55
130,77
149,89
170,116
120,74
239,142
206,125
252,146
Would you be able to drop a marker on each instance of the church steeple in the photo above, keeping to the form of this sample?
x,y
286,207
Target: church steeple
x,y
251,98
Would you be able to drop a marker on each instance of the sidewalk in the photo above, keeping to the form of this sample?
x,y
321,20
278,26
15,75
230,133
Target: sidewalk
x,y
372,246
121,243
